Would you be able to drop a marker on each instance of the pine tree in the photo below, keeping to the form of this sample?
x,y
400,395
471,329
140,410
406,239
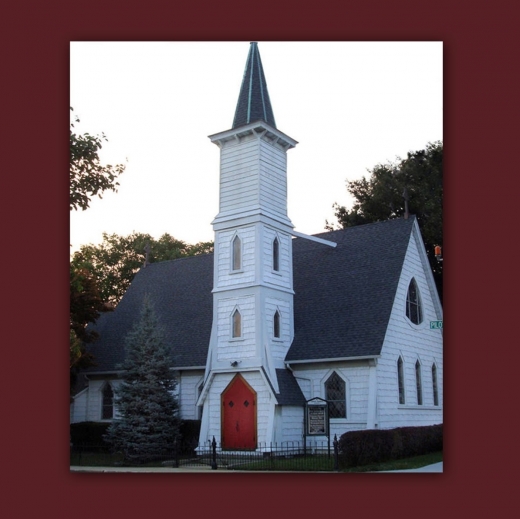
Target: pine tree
x,y
147,425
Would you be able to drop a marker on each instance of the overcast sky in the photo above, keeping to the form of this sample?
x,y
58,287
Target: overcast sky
x,y
350,106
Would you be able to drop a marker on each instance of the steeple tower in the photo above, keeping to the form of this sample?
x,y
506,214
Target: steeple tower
x,y
253,102
253,287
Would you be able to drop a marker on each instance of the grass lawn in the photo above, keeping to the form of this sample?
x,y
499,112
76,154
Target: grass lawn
x,y
404,464
312,463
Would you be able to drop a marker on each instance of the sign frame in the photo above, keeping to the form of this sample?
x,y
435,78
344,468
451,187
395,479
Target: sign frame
x,y
317,417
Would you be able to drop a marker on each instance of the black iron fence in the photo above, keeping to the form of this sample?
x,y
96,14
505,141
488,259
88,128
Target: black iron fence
x,y
287,456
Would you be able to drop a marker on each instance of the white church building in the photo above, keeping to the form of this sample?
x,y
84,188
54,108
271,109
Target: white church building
x,y
277,333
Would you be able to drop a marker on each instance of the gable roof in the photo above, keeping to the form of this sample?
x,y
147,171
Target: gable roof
x,y
253,101
342,303
344,295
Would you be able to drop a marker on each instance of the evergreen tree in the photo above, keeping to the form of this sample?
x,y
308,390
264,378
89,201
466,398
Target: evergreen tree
x,y
147,425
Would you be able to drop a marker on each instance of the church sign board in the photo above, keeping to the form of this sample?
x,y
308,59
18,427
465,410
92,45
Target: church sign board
x,y
317,418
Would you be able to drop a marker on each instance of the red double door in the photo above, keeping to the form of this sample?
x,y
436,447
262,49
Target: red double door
x,y
239,415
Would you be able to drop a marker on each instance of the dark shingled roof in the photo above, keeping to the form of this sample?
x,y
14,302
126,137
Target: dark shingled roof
x,y
253,100
180,291
290,392
344,295
342,303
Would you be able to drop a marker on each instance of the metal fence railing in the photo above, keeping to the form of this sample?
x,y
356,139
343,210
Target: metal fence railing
x,y
287,456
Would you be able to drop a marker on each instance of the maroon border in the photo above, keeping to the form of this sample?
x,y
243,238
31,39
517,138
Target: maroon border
x,y
481,84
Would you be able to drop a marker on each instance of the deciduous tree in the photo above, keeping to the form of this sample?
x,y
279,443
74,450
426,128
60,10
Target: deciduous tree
x,y
415,182
118,258
88,177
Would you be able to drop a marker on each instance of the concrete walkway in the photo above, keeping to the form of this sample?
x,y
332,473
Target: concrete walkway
x,y
436,467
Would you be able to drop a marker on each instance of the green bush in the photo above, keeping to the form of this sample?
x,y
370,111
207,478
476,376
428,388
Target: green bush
x,y
380,445
88,432
85,434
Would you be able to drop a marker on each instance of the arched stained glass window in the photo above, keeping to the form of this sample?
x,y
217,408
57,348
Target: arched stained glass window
x,y
237,324
276,324
335,393
418,382
107,412
413,303
435,388
400,379
276,255
237,253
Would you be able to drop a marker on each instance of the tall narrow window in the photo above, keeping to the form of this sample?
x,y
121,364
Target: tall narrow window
x,y
276,255
237,324
199,408
413,303
434,382
276,324
335,393
237,253
107,412
400,379
418,382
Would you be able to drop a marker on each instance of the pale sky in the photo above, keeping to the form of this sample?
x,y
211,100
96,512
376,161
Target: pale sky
x,y
350,106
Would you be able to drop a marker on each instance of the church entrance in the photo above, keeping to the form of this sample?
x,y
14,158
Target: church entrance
x,y
238,415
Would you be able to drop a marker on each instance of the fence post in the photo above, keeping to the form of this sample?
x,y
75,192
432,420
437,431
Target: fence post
x,y
214,454
336,455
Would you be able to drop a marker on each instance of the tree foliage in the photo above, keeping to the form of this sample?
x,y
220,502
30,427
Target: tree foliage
x,y
88,177
417,178
86,305
147,423
117,259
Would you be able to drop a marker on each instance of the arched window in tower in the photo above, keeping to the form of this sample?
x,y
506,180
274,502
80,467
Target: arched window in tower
x,y
418,382
107,409
237,324
400,380
335,393
276,324
276,255
413,303
237,253
435,388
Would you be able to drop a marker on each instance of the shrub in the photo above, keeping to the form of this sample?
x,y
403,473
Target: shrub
x,y
379,445
87,432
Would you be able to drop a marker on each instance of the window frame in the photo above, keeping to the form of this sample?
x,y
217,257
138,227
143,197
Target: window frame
x,y
418,382
413,305
236,324
277,324
276,254
400,381
107,386
236,253
342,400
435,386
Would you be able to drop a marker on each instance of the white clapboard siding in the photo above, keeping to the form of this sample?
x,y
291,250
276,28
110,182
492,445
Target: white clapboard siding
x,y
413,343
243,347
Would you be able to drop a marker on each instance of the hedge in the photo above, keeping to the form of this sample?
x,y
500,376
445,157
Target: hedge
x,y
379,445
93,432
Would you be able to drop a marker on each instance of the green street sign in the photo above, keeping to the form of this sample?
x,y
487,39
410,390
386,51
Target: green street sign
x,y
435,325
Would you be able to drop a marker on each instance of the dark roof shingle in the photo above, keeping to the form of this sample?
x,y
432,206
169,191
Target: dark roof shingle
x,y
342,303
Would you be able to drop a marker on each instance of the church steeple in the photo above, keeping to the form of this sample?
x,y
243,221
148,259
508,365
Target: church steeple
x,y
253,101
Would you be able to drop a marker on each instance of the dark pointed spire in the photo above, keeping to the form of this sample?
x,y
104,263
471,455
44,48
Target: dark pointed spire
x,y
253,101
